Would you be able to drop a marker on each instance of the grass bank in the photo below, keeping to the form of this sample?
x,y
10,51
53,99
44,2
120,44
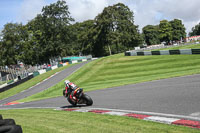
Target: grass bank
x,y
30,83
118,70
51,121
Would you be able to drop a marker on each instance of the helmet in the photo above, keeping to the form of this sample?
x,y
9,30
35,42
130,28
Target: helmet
x,y
67,82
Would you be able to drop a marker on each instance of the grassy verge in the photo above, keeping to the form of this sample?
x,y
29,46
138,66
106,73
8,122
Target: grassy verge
x,y
192,46
51,121
30,83
118,70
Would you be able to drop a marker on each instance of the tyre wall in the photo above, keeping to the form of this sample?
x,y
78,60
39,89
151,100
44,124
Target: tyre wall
x,y
9,126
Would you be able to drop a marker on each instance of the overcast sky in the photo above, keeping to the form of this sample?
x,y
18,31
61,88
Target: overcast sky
x,y
145,11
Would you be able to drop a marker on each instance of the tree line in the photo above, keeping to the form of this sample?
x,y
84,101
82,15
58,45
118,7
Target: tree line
x,y
195,30
166,31
54,33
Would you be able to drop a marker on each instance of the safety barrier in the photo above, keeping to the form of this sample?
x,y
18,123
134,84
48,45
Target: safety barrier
x,y
36,73
9,126
163,52
16,81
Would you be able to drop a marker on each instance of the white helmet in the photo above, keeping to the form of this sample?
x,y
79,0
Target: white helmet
x,y
67,82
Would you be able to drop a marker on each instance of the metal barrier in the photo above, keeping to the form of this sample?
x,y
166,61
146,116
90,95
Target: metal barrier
x,y
15,73
163,52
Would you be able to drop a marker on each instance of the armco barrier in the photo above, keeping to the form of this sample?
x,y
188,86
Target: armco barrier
x,y
60,65
66,63
48,69
171,52
10,82
140,53
9,86
128,53
155,52
133,53
42,71
74,61
185,51
54,67
18,80
195,51
163,52
36,73
14,83
84,59
147,53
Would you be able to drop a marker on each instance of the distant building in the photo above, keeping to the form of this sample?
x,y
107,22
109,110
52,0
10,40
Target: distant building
x,y
192,38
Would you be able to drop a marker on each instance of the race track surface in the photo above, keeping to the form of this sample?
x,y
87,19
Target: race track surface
x,y
44,85
179,96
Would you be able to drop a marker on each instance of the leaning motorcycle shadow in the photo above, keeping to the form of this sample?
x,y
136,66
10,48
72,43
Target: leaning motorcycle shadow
x,y
74,106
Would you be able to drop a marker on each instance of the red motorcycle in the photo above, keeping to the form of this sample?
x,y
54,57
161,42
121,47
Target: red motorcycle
x,y
79,98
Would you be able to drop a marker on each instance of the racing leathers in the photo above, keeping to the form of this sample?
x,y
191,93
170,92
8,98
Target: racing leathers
x,y
71,91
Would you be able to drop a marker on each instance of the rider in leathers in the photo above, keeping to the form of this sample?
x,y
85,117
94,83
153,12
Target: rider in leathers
x,y
71,88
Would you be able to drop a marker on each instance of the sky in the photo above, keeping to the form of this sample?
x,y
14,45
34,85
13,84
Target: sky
x,y
146,12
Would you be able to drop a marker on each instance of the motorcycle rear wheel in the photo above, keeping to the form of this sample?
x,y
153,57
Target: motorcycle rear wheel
x,y
88,99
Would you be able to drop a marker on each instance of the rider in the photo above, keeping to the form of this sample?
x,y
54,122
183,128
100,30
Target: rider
x,y
71,88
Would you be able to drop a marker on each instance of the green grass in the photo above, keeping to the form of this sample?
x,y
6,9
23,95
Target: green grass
x,y
52,121
191,46
107,72
30,83
118,70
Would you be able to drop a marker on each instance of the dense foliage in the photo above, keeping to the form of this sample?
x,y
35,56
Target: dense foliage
x,y
115,30
178,30
51,34
195,30
151,34
11,43
166,31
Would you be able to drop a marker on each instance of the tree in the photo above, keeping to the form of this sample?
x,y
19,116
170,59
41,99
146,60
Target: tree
x,y
34,47
48,34
151,34
56,17
1,54
24,55
165,31
195,30
10,45
85,32
178,31
115,30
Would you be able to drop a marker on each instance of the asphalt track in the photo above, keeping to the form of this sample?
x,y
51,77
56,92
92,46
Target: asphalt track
x,y
178,96
45,84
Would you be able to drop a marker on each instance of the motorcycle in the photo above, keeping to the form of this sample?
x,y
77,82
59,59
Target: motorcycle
x,y
79,98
